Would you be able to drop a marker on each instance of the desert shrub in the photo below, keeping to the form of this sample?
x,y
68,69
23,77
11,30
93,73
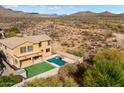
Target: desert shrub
x,y
46,82
113,26
105,74
108,34
14,29
7,81
53,81
10,34
109,55
121,30
78,52
69,82
54,34
107,70
68,70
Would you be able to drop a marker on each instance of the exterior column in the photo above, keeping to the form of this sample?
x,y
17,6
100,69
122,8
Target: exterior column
x,y
32,60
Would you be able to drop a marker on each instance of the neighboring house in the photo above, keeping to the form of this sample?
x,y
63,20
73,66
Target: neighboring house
x,y
25,51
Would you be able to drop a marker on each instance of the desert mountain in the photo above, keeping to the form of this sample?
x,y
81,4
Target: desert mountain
x,y
10,13
85,13
93,14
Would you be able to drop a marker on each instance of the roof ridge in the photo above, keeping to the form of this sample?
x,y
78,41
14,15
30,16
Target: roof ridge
x,y
15,41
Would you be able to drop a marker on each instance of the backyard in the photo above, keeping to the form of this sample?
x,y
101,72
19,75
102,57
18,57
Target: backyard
x,y
38,68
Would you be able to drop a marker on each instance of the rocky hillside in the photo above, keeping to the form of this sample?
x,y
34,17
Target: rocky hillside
x,y
22,20
10,13
88,30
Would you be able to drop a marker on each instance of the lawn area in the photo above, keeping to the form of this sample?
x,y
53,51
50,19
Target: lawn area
x,y
38,68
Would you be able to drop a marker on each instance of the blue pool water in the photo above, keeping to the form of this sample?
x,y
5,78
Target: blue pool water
x,y
57,61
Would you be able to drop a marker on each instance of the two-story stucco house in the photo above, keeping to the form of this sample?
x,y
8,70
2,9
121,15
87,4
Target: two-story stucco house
x,y
25,51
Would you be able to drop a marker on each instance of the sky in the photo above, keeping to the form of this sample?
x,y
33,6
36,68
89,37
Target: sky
x,y
66,9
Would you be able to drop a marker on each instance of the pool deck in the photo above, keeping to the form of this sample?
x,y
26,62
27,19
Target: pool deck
x,y
51,56
65,58
67,55
68,60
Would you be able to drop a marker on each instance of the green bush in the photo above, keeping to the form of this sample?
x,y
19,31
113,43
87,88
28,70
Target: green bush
x,y
10,34
53,81
45,82
14,29
7,81
68,70
54,34
109,55
105,74
69,82
107,70
78,52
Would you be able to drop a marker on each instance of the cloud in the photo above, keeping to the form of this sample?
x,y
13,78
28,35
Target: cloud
x,y
11,6
70,6
53,7
59,7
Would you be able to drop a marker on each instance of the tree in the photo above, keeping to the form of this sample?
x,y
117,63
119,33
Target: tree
x,y
109,55
7,81
106,71
109,75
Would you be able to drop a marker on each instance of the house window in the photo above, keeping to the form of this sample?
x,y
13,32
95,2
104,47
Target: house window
x,y
16,61
49,42
48,50
23,50
40,44
30,48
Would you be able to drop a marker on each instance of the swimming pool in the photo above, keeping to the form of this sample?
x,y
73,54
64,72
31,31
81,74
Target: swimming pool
x,y
57,61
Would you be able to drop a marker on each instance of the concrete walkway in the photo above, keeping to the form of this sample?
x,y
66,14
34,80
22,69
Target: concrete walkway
x,y
67,55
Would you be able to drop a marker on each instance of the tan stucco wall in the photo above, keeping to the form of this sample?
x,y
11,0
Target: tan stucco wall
x,y
26,63
8,53
15,53
36,48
